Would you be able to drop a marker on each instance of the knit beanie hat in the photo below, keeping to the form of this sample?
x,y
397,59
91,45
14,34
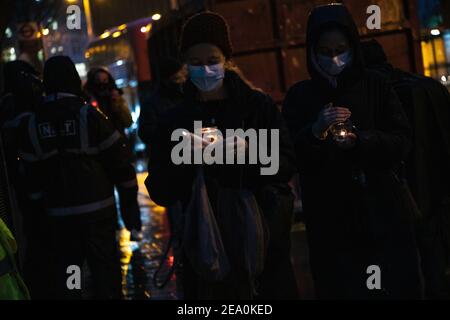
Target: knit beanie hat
x,y
206,27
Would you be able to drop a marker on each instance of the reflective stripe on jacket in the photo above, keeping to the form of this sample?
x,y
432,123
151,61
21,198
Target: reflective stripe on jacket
x,y
74,156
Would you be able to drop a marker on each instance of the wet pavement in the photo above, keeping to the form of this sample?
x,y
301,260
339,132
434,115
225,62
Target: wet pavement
x,y
140,259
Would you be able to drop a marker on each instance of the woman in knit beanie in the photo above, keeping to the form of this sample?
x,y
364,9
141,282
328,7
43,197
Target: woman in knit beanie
x,y
219,97
202,33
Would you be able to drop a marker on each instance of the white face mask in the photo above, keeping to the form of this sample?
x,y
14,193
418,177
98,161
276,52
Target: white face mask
x,y
335,65
207,78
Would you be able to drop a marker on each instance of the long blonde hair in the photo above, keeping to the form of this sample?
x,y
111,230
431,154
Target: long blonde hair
x,y
230,65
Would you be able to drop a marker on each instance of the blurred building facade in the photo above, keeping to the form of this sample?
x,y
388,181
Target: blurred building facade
x,y
269,37
435,32
45,34
59,39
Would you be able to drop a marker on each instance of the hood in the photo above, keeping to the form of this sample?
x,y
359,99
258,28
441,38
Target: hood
x,y
322,18
60,75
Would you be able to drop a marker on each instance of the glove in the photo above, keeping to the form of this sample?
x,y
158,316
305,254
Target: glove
x,y
129,208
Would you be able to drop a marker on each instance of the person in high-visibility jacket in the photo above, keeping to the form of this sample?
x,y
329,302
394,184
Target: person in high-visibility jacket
x,y
12,286
74,158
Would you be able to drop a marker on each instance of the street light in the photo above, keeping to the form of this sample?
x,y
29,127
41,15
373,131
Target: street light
x,y
435,32
156,17
146,28
89,23
105,35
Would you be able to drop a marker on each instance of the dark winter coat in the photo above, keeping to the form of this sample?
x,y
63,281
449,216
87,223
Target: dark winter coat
x,y
427,105
351,198
167,183
245,108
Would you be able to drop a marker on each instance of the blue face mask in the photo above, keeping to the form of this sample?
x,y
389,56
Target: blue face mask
x,y
335,65
207,78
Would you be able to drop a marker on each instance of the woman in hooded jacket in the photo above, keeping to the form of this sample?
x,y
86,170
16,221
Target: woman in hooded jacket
x,y
218,95
101,88
351,135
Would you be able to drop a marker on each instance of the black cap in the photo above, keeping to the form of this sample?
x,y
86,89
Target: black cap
x,y
206,27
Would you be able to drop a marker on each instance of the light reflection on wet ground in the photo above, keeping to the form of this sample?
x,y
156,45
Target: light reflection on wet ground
x,y
140,259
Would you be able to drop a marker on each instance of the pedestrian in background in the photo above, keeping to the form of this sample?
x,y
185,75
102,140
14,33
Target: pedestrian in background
x,y
426,102
18,96
23,94
102,88
104,94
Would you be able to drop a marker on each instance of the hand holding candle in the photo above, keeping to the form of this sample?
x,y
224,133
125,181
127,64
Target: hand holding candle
x,y
328,116
210,134
343,134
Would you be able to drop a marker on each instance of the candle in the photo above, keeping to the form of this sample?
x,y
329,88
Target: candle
x,y
210,134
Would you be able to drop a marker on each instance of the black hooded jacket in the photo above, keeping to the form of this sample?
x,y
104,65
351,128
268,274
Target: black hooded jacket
x,y
329,175
22,93
323,18
355,207
427,104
